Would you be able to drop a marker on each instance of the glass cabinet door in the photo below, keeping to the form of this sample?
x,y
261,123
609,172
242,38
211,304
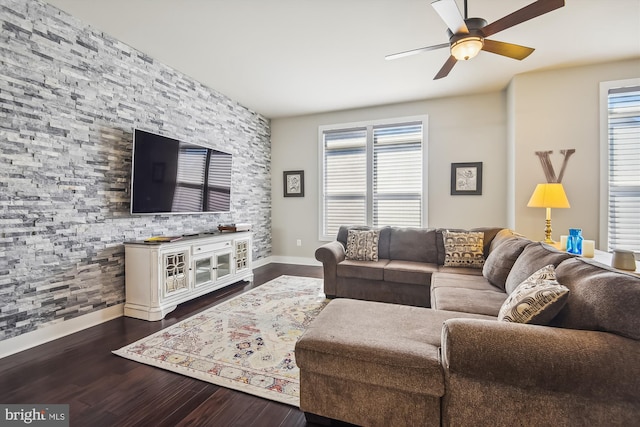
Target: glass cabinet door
x,y
175,272
203,269
223,263
242,254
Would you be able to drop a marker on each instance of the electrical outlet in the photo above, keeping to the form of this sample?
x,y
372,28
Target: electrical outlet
x,y
299,242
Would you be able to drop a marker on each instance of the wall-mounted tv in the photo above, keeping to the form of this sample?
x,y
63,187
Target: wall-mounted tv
x,y
173,176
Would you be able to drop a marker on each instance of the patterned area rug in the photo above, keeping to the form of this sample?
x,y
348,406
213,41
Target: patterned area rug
x,y
246,343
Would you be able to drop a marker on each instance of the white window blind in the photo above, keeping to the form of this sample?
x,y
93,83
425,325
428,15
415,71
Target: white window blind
x,y
219,182
397,175
372,175
624,168
190,179
345,178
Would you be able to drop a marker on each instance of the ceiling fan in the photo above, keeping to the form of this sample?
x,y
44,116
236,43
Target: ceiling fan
x,y
468,36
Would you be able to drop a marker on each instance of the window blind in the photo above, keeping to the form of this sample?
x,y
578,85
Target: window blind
x,y
397,175
345,179
190,180
219,183
624,168
372,175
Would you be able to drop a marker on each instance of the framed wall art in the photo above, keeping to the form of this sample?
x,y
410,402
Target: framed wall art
x,y
466,178
293,183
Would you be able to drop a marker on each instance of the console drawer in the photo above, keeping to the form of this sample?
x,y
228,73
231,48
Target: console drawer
x,y
200,249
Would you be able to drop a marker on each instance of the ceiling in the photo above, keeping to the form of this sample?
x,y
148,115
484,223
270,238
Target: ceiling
x,y
292,57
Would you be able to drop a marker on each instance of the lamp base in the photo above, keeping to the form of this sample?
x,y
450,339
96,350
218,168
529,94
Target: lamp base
x,y
547,232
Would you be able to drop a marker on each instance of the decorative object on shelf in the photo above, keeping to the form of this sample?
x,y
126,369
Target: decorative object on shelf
x,y
162,239
547,167
466,178
623,260
563,242
293,183
574,242
549,195
241,226
588,248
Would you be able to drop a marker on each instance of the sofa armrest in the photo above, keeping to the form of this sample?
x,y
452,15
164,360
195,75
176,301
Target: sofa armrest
x,y
330,254
589,363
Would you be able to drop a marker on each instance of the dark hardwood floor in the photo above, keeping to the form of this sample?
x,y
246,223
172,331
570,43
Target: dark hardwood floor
x,y
106,390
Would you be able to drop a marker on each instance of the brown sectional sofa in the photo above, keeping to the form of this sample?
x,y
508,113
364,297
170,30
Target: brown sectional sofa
x,y
378,364
407,259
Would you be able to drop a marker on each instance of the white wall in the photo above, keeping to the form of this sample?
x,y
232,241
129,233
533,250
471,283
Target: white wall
x,y
553,110
461,129
546,110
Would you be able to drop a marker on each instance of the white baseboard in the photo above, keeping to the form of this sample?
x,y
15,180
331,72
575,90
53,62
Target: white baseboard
x,y
260,262
295,260
58,330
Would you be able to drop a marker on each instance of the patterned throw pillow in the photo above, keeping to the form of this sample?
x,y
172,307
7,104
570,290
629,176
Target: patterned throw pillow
x,y
362,245
463,248
537,300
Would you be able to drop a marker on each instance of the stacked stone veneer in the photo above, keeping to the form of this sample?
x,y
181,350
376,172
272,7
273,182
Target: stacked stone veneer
x,y
70,97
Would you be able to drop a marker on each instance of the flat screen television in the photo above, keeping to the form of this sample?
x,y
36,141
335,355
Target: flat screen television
x,y
173,176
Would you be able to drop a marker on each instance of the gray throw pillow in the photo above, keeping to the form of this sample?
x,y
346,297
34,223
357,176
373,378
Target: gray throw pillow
x,y
362,245
537,300
501,259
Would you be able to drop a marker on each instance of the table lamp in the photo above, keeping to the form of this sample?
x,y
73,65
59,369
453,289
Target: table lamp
x,y
550,195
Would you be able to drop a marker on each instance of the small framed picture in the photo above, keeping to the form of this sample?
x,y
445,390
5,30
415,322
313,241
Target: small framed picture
x,y
466,178
293,183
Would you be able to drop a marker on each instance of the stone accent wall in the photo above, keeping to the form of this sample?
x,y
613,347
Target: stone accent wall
x,y
70,97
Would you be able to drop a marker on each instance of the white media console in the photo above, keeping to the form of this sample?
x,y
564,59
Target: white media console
x,y
159,276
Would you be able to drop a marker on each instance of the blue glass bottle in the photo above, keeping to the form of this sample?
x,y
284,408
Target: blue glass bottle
x,y
574,241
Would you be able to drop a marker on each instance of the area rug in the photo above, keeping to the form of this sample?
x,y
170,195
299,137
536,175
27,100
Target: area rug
x,y
246,343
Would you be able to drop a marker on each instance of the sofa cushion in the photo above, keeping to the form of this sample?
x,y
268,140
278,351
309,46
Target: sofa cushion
x,y
362,245
465,293
389,345
413,244
490,233
500,237
600,298
534,257
459,271
370,270
463,249
537,300
486,302
501,259
417,273
466,281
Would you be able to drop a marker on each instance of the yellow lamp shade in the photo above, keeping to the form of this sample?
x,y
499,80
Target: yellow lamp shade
x,y
550,195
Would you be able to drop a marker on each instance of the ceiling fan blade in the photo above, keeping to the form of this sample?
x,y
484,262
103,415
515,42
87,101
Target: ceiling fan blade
x,y
514,51
531,11
450,14
415,51
446,68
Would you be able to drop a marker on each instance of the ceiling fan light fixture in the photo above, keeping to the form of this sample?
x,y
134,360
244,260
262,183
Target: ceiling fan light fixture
x,y
467,47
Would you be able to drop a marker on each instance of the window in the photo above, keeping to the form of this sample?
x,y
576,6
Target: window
x,y
620,201
190,179
373,174
199,167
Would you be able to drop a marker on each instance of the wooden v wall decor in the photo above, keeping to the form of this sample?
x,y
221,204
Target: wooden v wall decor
x,y
547,167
